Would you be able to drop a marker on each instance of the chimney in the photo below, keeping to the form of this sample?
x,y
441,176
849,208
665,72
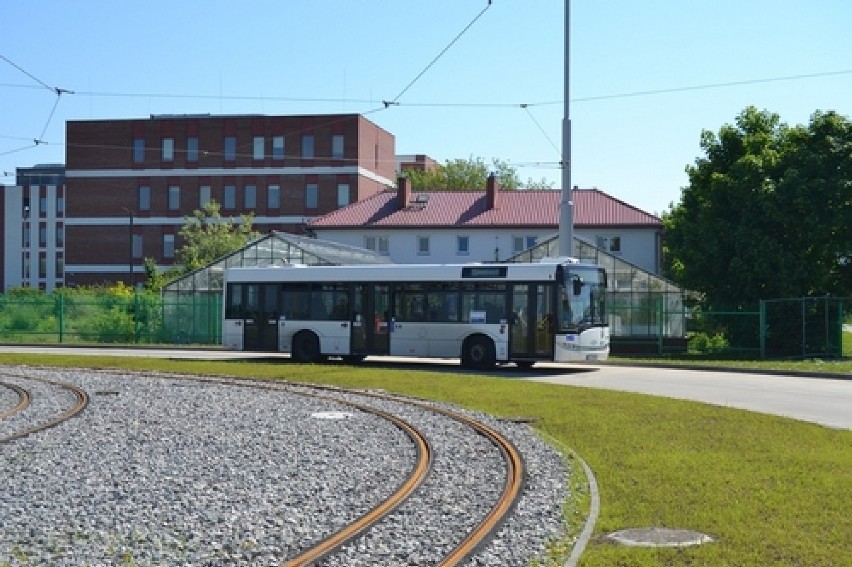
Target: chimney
x,y
403,192
492,192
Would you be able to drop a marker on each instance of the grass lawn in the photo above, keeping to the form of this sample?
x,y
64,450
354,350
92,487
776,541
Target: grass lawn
x,y
769,490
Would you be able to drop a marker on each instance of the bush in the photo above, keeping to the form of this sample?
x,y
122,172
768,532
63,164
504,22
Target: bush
x,y
702,343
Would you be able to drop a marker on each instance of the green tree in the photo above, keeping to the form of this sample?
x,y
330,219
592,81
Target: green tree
x,y
767,211
464,174
208,236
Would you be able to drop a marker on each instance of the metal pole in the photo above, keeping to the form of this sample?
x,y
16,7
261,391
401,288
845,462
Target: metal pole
x,y
130,245
566,205
131,249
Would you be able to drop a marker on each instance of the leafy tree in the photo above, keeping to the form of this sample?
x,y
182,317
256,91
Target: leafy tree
x,y
461,174
156,279
208,236
767,211
542,183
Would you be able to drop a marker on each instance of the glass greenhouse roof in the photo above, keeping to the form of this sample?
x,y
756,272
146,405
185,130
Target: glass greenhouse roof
x,y
273,249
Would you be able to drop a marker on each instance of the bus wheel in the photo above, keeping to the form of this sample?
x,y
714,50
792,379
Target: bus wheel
x,y
479,353
306,347
524,364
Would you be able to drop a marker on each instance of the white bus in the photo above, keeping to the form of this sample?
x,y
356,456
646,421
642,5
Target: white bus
x,y
483,314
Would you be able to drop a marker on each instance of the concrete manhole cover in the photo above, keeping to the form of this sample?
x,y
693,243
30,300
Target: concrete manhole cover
x,y
658,537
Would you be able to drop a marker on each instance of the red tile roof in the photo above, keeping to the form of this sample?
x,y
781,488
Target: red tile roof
x,y
527,208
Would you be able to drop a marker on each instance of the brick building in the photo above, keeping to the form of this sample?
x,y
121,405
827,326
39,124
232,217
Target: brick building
x,y
130,183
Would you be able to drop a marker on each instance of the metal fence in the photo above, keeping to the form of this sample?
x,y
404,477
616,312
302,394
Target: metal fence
x,y
646,322
91,318
794,328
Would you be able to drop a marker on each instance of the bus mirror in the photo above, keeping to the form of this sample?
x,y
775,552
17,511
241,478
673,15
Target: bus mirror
x,y
578,285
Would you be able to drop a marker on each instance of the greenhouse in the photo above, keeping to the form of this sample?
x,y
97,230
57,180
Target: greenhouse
x,y
646,312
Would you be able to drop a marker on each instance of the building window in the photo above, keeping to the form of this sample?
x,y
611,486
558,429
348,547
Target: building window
x,y
521,243
204,195
273,197
42,207
60,205
42,235
60,265
174,197
144,198
342,194
462,245
258,148
42,265
615,244
337,146
60,235
137,246
377,244
308,146
25,241
168,149
230,197
168,246
311,196
609,243
278,147
138,150
230,148
422,245
192,149
250,197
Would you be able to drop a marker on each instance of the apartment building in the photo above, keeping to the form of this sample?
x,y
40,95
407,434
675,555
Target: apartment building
x,y
128,184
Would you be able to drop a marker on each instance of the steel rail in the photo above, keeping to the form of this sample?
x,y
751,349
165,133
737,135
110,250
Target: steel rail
x,y
82,400
359,526
512,486
24,399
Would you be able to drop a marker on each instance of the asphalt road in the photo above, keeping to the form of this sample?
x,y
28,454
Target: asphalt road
x,y
825,401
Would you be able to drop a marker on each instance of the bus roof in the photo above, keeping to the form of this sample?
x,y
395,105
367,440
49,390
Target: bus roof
x,y
540,271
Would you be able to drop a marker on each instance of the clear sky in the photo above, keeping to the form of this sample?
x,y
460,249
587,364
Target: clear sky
x,y
645,77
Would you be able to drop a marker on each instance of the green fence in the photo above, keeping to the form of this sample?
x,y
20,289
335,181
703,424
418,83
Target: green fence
x,y
642,322
104,318
796,328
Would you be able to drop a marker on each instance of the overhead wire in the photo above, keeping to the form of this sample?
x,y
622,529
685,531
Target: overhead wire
x,y
395,99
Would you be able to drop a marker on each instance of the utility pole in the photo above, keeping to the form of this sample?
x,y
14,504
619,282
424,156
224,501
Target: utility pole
x,y
566,205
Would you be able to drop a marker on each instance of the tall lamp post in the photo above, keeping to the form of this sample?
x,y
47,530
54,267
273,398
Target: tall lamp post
x,y
566,205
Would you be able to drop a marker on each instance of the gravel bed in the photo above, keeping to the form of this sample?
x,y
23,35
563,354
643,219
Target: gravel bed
x,y
166,471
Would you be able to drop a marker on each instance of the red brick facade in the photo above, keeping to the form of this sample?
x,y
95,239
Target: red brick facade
x,y
284,169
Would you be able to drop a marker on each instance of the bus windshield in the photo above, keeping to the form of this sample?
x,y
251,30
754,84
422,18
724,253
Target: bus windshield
x,y
581,298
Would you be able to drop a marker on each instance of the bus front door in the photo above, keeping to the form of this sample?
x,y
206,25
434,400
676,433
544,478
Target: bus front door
x,y
531,322
260,318
370,327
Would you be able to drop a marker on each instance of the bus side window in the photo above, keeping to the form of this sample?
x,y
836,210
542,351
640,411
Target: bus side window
x,y
235,302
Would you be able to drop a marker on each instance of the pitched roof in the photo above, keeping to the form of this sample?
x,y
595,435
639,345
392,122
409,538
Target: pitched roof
x,y
527,208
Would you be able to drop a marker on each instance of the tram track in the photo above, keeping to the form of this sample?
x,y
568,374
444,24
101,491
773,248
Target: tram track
x,y
502,507
511,490
391,520
81,400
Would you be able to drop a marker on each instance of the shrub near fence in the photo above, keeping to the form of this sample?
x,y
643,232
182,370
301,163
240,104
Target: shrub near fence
x,y
116,315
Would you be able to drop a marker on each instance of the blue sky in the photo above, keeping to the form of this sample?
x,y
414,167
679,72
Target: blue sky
x,y
699,64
